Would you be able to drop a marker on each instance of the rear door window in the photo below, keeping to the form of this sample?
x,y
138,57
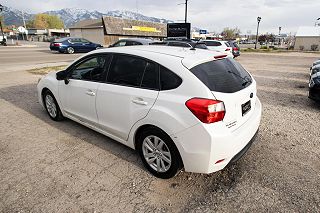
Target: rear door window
x,y
150,78
225,75
126,70
168,79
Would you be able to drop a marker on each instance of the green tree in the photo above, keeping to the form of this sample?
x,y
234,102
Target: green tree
x,y
45,21
2,21
230,33
55,22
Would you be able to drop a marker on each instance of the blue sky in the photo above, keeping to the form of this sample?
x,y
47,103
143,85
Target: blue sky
x,y
212,15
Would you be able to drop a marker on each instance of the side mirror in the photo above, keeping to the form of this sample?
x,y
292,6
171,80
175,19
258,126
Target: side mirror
x,y
61,75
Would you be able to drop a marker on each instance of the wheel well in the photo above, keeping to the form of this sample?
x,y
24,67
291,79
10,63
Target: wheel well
x,y
44,90
147,126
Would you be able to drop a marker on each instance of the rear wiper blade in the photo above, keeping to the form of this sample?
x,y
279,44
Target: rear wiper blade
x,y
246,79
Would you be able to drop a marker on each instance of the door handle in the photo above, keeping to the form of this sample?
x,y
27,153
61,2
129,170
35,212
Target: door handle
x,y
140,101
90,92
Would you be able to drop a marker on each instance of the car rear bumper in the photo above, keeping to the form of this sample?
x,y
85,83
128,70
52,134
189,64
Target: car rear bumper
x,y
209,148
60,49
236,54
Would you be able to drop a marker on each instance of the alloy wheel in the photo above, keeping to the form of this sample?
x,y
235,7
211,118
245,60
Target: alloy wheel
x,y
156,153
70,50
51,106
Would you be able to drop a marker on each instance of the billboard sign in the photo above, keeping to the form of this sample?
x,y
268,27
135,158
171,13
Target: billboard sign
x,y
203,32
179,30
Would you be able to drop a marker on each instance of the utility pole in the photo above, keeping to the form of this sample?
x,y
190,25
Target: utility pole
x,y
258,20
186,12
280,30
317,22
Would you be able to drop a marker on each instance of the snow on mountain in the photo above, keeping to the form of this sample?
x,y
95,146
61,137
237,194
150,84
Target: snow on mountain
x,y
14,17
72,15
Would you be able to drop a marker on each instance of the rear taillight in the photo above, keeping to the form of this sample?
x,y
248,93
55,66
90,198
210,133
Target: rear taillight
x,y
206,110
235,49
228,49
57,44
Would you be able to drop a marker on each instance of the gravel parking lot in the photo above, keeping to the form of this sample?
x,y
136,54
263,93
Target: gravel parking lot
x,y
47,166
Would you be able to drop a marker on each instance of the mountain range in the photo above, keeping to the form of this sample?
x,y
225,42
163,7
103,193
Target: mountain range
x,y
72,15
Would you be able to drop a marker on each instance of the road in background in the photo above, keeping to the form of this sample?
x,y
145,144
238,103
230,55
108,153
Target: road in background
x,y
23,58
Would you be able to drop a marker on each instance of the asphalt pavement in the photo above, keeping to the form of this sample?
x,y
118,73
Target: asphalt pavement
x,y
19,58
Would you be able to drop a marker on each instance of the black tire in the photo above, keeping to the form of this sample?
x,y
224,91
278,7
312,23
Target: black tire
x,y
58,115
70,50
176,162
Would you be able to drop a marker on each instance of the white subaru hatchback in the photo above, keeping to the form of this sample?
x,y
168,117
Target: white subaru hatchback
x,y
179,108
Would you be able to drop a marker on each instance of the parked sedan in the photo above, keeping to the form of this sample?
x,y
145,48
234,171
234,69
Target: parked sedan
x,y
167,104
132,42
71,45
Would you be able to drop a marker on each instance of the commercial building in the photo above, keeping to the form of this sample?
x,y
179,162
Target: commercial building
x,y
308,38
108,30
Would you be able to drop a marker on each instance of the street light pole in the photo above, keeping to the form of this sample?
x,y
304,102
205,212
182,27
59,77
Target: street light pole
x,y
258,19
279,30
3,39
317,22
186,12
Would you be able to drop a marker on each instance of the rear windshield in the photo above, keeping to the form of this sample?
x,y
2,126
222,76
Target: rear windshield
x,y
225,75
201,46
61,39
212,43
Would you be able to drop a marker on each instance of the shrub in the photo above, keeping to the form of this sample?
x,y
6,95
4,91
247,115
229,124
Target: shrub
x,y
263,47
301,48
314,47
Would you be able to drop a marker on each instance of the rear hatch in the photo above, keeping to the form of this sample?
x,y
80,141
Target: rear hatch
x,y
232,84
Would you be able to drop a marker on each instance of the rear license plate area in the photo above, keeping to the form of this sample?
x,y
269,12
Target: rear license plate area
x,y
246,107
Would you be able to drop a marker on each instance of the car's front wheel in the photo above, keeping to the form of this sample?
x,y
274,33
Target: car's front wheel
x,y
52,106
70,50
158,153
